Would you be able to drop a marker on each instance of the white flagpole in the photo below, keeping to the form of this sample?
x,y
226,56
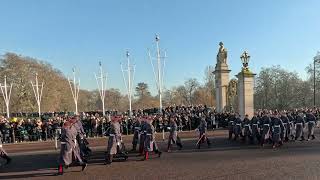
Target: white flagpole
x,y
75,89
6,96
129,81
102,87
38,93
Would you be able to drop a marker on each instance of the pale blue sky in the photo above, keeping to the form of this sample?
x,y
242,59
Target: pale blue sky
x,y
82,32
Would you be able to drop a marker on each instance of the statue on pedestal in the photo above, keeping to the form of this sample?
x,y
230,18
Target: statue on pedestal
x,y
222,54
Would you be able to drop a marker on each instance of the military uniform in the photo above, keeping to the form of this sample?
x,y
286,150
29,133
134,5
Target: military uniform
x,y
202,130
3,153
291,126
136,133
173,136
286,123
142,137
255,124
299,126
277,129
231,126
237,128
265,123
312,121
114,142
247,129
150,144
83,149
68,148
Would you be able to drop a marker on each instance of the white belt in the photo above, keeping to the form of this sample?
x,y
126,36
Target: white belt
x,y
231,121
285,123
299,123
238,124
149,134
277,126
112,135
255,124
137,128
247,125
63,143
266,124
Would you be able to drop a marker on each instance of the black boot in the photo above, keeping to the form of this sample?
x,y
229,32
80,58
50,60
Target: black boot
x,y
84,166
313,137
8,159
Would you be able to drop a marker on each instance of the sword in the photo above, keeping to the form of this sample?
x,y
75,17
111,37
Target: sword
x,y
200,139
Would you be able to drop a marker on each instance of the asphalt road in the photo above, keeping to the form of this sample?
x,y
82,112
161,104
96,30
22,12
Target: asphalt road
x,y
224,160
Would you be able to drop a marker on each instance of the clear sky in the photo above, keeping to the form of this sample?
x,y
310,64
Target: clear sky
x,y
81,33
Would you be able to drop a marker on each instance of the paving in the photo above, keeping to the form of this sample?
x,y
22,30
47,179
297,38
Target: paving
x,y
224,160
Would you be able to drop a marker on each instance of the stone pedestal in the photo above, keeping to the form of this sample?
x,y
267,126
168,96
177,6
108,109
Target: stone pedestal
x,y
222,80
246,93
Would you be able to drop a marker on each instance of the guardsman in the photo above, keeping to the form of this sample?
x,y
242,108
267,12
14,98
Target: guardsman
x,y
3,153
237,127
203,130
231,125
299,126
115,141
277,128
247,129
142,135
136,133
68,148
286,124
150,144
312,121
291,125
83,148
255,124
173,136
265,123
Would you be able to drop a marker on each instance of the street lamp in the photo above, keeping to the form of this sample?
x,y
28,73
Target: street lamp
x,y
245,57
316,59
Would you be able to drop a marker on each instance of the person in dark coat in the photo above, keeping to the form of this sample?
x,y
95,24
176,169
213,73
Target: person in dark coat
x,y
311,120
231,125
3,153
255,124
299,126
173,136
247,129
286,124
142,135
68,148
136,127
203,130
237,127
266,128
277,128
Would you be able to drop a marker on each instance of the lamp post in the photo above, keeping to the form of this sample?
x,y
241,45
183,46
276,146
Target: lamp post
x,y
245,58
316,59
128,82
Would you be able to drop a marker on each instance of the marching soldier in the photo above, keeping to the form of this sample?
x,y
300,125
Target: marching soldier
x,y
3,153
136,133
299,124
255,123
286,124
83,149
173,136
114,142
150,144
312,121
247,129
266,123
291,126
68,147
231,125
277,128
237,127
202,130
142,136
